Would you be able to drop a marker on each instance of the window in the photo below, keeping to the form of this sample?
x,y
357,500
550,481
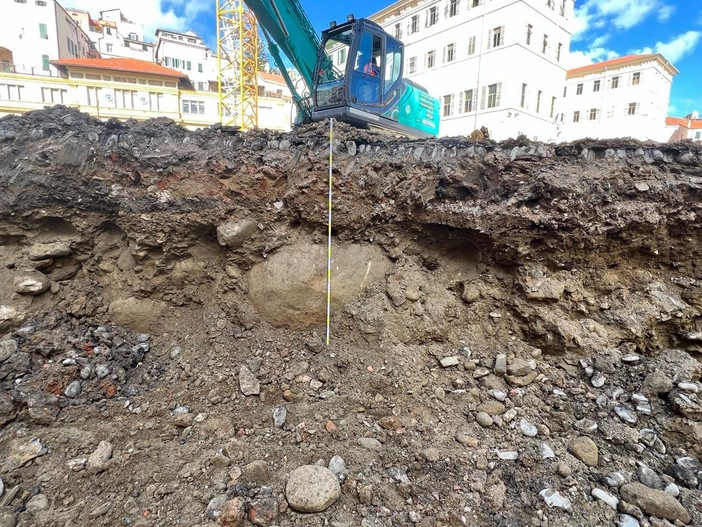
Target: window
x,y
11,92
615,82
200,86
167,61
635,78
398,31
194,107
20,1
53,95
342,60
450,53
448,105
412,67
188,65
40,3
579,89
633,108
576,117
544,46
468,101
43,33
596,86
496,37
553,107
108,30
471,46
453,8
562,9
45,62
490,95
432,16
565,91
522,102
551,4
476,3
558,52
125,99
538,101
530,30
133,36
126,43
594,114
109,48
192,40
414,27
430,59
144,47
698,135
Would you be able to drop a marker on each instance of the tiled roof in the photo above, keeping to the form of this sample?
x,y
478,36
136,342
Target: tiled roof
x,y
121,64
271,77
619,62
694,124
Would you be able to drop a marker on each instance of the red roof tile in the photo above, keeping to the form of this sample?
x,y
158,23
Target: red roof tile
x,y
121,64
271,77
694,124
620,62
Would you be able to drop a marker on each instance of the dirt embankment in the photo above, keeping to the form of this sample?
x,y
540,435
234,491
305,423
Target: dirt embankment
x,y
516,328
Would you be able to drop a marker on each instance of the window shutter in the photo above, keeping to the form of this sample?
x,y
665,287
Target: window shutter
x,y
445,49
446,9
502,35
426,18
489,39
482,98
498,95
460,102
609,83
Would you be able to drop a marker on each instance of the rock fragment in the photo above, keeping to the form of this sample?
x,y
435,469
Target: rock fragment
x,y
99,460
311,488
248,383
654,502
585,450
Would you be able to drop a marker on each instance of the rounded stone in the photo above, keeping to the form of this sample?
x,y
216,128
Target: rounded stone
x,y
484,419
311,488
585,450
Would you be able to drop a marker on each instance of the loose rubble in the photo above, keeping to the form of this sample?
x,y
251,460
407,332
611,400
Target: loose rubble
x,y
515,334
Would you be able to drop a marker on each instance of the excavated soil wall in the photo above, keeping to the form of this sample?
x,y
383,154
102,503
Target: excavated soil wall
x,y
516,327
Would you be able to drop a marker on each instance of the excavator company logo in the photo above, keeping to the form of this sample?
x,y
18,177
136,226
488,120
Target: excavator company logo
x,y
408,109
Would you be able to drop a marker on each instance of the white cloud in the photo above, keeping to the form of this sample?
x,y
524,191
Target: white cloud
x,y
589,56
622,14
153,14
665,12
677,48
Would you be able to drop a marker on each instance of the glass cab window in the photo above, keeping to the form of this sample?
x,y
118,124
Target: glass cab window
x,y
368,70
331,69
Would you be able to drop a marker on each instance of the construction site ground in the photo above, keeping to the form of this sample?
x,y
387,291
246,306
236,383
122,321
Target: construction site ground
x,y
516,329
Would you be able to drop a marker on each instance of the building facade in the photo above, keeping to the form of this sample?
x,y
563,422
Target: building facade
x,y
35,32
188,53
622,97
682,128
114,35
493,63
125,88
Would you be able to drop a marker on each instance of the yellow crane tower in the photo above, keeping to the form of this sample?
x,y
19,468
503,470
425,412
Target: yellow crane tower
x,y
237,64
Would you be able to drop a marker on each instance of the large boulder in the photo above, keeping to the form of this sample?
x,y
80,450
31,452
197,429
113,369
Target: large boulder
x,y
290,288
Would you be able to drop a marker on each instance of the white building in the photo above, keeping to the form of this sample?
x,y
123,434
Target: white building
x,y
114,35
688,127
35,32
622,97
493,63
188,53
125,88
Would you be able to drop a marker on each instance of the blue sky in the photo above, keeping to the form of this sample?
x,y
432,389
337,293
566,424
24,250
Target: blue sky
x,y
602,29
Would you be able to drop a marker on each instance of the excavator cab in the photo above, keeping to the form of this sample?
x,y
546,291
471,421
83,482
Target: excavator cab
x,y
358,79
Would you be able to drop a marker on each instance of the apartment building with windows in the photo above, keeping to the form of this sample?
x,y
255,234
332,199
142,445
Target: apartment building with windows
x,y
35,32
188,53
114,35
623,97
493,63
681,128
125,88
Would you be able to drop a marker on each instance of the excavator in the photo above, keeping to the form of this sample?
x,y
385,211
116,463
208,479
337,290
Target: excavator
x,y
354,74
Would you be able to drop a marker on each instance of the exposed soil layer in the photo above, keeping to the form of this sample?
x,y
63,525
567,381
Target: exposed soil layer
x,y
513,325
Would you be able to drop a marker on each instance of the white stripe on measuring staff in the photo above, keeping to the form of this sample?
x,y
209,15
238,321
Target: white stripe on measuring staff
x,y
329,229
